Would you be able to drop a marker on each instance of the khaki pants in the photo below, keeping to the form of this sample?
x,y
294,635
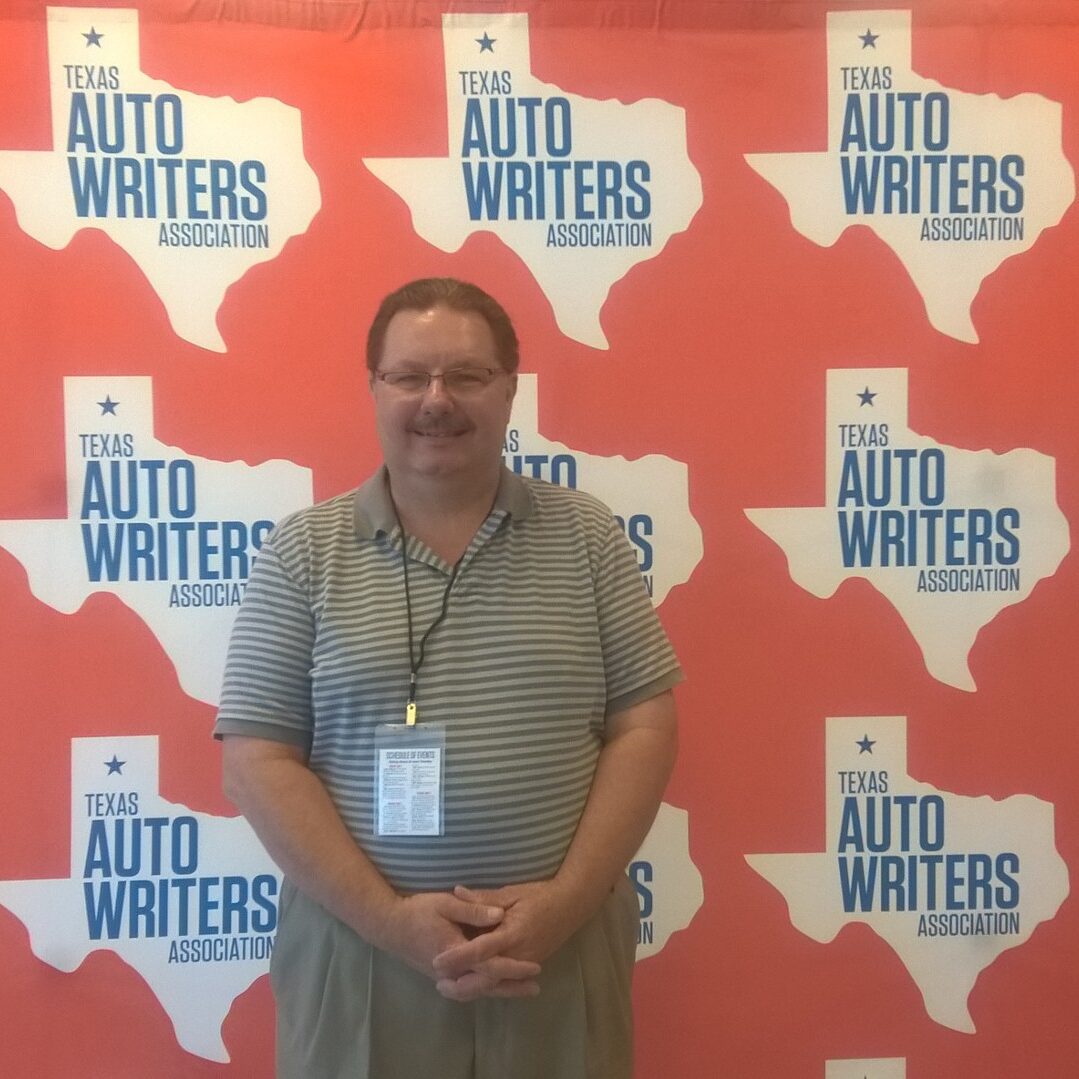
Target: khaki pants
x,y
345,1009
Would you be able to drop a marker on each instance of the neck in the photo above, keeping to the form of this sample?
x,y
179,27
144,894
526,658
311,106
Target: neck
x,y
443,514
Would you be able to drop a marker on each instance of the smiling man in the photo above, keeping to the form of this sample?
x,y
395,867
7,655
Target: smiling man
x,y
447,714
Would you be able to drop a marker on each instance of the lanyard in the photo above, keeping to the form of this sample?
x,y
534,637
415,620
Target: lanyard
x,y
416,662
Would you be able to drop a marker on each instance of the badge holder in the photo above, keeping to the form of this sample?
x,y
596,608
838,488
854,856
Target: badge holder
x,y
410,765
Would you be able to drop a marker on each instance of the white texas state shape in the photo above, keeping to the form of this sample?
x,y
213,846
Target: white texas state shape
x,y
934,503
939,855
862,46
576,279
185,161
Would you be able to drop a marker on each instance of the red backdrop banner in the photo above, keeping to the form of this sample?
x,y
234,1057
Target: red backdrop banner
x,y
795,289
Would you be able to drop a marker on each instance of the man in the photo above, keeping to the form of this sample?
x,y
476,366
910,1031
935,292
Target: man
x,y
451,755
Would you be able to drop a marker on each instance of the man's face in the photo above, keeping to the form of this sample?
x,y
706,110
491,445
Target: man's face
x,y
438,432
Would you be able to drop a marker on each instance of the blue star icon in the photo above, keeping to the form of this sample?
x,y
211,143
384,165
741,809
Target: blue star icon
x,y
114,766
868,39
486,44
866,398
108,406
93,38
865,745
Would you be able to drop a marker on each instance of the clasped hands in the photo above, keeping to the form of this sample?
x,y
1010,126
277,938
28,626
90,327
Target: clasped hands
x,y
484,943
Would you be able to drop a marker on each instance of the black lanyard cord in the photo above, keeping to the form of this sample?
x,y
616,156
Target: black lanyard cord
x,y
414,662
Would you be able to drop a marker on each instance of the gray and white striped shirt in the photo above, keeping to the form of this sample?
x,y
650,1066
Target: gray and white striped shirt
x,y
549,629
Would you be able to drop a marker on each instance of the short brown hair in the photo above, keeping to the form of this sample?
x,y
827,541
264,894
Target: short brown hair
x,y
430,292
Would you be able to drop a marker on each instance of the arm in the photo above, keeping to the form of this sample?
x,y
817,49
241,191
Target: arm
x,y
633,768
294,817
631,775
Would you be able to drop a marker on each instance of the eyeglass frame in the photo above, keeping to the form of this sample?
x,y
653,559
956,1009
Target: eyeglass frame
x,y
430,376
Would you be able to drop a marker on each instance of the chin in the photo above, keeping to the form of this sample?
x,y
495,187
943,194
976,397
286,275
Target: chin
x,y
441,463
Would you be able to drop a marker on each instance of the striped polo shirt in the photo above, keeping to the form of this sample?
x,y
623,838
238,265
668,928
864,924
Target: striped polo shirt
x,y
548,629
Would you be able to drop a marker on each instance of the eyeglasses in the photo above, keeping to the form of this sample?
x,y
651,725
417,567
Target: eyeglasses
x,y
459,380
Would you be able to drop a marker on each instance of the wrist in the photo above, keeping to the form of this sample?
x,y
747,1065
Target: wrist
x,y
378,920
580,895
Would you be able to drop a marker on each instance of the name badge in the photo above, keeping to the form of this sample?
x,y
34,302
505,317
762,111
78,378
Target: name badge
x,y
410,763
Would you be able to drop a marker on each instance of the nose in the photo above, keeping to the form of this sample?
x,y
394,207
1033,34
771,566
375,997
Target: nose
x,y
436,397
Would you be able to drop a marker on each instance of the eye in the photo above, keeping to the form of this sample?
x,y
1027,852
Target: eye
x,y
411,381
467,378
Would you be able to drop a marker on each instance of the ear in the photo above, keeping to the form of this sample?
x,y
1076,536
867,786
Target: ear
x,y
512,391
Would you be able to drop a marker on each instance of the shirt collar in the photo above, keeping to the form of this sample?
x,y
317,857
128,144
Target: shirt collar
x,y
373,511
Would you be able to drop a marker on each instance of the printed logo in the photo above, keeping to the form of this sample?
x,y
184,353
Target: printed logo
x,y
949,881
667,883
581,190
950,536
186,899
649,496
954,183
196,190
171,535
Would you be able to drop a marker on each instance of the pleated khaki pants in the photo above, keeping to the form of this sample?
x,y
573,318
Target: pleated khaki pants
x,y
346,1010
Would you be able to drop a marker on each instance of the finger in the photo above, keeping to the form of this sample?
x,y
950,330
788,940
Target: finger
x,y
486,896
496,968
504,968
514,988
471,912
504,897
472,986
452,962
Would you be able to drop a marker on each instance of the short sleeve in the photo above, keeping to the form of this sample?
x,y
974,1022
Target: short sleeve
x,y
267,685
638,659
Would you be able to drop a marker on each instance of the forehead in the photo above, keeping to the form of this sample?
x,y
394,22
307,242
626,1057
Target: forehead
x,y
439,335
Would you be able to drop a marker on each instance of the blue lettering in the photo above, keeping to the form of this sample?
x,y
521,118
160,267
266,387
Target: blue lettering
x,y
860,186
1007,550
637,528
168,124
640,876
195,188
582,189
104,908
850,826
259,531
850,480
79,127
88,186
185,845
857,538
1007,896
475,136
103,551
252,176
853,127
638,206
206,906
97,851
482,192
234,904
557,127
264,894
94,499
857,883
519,190
141,896
1012,166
